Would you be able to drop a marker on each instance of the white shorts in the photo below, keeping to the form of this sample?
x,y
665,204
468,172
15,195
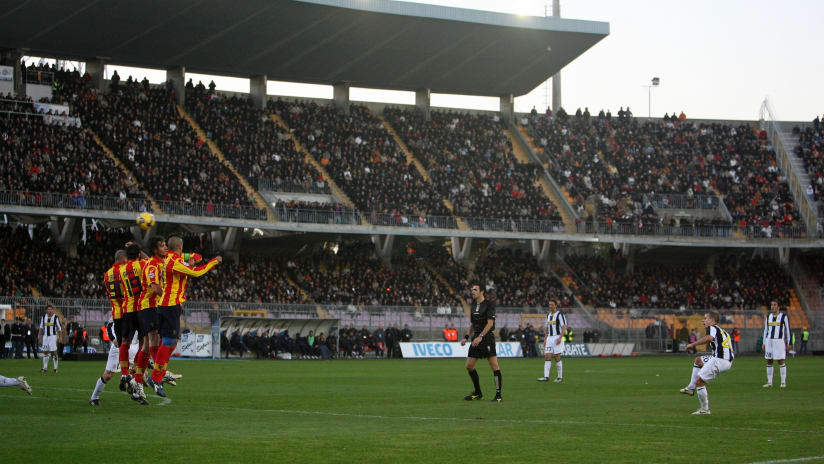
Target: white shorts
x,y
551,347
775,349
113,363
712,367
49,343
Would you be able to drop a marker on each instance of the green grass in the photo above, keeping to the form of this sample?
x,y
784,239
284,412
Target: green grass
x,y
607,410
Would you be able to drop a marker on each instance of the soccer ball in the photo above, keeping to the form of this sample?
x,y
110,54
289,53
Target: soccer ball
x,y
146,221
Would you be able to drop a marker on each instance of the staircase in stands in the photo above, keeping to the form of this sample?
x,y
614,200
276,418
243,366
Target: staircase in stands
x,y
216,151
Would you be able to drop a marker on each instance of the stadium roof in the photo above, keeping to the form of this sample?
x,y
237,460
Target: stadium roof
x,y
367,43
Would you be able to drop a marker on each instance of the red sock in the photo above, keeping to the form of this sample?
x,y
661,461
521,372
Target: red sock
x,y
124,359
153,352
163,354
142,360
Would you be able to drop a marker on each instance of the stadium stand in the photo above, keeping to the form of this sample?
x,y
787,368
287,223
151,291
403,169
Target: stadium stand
x,y
746,284
471,163
810,148
624,163
143,128
38,158
261,150
363,159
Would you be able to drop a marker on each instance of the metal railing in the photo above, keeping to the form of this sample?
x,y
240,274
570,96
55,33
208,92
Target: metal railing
x,y
289,186
799,191
61,200
213,210
710,231
136,205
33,76
682,201
350,217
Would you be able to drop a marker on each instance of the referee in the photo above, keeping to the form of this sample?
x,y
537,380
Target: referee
x,y
482,320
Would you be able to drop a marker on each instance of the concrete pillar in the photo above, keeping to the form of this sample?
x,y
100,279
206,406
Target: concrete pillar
x,y
95,68
541,250
177,75
13,57
422,101
556,79
66,233
227,242
784,256
383,247
461,249
508,107
257,88
340,94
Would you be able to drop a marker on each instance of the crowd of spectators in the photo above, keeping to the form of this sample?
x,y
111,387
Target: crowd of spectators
x,y
141,125
734,283
364,160
31,259
350,273
471,163
257,147
620,160
37,157
511,277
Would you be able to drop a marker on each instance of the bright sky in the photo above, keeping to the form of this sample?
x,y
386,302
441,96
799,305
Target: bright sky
x,y
716,60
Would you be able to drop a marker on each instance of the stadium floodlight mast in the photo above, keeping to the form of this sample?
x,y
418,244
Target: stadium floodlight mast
x,y
655,82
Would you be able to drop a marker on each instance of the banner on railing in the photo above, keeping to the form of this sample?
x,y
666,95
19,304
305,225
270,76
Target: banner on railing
x,y
51,108
455,350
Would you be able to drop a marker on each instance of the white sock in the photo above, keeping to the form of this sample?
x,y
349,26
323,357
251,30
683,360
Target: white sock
x,y
547,368
702,397
45,360
98,389
694,378
54,360
769,374
559,366
8,382
783,371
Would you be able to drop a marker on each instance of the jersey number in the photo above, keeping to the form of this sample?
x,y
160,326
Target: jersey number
x,y
725,342
133,285
114,290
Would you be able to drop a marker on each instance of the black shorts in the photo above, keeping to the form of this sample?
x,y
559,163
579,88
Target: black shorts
x,y
125,328
148,321
485,349
169,321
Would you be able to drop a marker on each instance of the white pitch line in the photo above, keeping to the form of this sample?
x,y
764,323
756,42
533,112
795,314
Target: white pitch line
x,y
466,419
777,461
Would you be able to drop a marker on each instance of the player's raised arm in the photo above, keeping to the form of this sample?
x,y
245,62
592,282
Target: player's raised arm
x,y
198,270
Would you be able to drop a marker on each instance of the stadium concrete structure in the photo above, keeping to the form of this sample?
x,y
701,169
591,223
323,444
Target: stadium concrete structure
x,y
371,43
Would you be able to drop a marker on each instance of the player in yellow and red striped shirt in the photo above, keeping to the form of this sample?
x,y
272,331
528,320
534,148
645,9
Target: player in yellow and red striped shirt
x,y
177,272
131,284
112,283
153,283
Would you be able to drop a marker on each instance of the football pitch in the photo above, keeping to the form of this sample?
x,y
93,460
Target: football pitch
x,y
606,410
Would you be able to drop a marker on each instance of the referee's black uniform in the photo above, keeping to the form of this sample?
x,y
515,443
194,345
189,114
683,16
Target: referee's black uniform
x,y
481,313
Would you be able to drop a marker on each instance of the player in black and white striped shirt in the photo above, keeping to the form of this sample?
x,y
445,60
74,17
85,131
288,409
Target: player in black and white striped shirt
x,y
555,327
710,366
49,328
776,342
